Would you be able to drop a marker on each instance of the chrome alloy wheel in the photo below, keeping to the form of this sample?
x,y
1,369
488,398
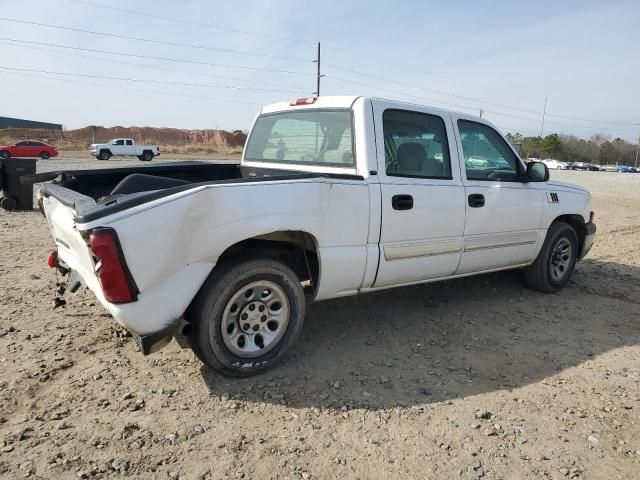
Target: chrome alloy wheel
x,y
255,319
560,259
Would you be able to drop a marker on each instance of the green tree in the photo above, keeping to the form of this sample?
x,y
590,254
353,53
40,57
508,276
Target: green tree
x,y
551,145
514,137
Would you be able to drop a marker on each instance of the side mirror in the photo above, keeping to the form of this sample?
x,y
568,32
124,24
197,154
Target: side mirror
x,y
537,172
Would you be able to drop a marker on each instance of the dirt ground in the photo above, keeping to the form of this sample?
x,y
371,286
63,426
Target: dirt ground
x,y
474,378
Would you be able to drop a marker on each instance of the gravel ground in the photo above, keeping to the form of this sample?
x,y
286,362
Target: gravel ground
x,y
473,378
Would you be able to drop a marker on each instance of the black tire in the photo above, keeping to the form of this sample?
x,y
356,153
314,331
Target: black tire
x,y
45,155
104,155
8,203
5,154
147,156
207,310
539,276
141,158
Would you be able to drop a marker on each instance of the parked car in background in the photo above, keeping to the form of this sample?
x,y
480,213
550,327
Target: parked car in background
x,y
28,149
554,164
579,166
624,169
592,168
123,147
477,161
609,168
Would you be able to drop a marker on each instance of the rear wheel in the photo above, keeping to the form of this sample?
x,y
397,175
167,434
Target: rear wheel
x,y
147,156
556,261
246,317
45,155
5,154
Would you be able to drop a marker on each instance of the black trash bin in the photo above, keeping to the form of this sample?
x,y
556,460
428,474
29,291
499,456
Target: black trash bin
x,y
15,194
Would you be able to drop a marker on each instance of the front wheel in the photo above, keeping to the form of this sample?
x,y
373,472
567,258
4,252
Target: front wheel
x,y
104,155
44,155
556,261
4,154
246,317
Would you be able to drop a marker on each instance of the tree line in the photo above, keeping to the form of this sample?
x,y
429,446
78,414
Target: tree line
x,y
598,149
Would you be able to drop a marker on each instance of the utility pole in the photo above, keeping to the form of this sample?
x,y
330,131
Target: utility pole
x,y
637,150
544,112
318,75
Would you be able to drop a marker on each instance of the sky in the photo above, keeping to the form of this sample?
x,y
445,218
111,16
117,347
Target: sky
x,y
501,57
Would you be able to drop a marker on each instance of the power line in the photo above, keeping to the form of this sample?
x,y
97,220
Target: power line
x,y
149,40
119,87
468,107
587,119
585,127
166,59
396,92
190,22
127,79
440,92
143,65
356,54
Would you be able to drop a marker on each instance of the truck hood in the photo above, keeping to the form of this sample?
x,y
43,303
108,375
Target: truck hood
x,y
572,186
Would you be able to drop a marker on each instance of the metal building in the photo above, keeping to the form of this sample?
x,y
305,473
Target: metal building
x,y
7,122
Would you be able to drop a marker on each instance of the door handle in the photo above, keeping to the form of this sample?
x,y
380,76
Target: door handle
x,y
402,202
476,200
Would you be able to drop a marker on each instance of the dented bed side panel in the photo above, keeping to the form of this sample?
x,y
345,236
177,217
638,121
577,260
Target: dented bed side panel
x,y
171,245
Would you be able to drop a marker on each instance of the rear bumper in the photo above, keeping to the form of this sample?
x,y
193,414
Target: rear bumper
x,y
589,239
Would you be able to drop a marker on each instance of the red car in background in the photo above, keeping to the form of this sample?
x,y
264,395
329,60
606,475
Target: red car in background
x,y
28,149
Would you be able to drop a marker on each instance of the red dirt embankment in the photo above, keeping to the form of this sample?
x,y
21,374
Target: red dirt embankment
x,y
183,140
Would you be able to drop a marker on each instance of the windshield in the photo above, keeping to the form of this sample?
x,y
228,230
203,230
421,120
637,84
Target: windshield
x,y
312,136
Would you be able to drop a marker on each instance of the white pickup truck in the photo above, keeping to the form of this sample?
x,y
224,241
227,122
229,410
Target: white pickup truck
x,y
334,196
123,147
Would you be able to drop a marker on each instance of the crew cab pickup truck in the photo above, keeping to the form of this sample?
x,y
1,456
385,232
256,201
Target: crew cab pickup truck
x,y
122,147
334,196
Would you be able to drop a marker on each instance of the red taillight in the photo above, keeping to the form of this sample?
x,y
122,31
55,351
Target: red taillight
x,y
52,260
303,101
116,281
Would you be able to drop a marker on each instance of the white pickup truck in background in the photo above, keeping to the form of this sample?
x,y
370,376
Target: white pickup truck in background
x,y
334,196
121,147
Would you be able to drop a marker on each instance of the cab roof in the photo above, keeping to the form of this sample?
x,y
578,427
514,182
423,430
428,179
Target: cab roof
x,y
320,102
347,101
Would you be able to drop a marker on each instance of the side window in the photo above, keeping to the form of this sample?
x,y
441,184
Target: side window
x,y
486,155
415,145
22,144
37,144
119,142
129,142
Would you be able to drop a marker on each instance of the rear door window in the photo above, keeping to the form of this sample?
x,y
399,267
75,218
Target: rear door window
x,y
415,145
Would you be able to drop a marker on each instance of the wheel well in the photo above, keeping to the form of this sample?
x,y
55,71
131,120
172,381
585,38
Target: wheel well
x,y
105,150
296,249
577,222
147,151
